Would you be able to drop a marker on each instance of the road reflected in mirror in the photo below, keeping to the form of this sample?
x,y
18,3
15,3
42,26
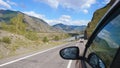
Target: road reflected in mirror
x,y
70,53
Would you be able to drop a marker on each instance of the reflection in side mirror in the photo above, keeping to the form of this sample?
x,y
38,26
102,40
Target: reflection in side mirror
x,y
95,61
70,53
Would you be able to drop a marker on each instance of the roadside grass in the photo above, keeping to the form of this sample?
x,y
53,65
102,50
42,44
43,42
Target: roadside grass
x,y
19,46
52,36
16,49
15,39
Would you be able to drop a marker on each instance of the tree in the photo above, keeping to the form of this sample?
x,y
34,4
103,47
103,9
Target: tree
x,y
17,21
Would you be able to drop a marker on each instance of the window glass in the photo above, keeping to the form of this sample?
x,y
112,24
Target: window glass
x,y
107,41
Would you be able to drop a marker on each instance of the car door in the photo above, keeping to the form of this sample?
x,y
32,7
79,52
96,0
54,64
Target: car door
x,y
105,41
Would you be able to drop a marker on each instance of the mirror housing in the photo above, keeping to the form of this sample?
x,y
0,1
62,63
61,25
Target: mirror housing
x,y
70,53
95,61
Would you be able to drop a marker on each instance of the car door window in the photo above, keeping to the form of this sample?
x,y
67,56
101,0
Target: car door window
x,y
107,41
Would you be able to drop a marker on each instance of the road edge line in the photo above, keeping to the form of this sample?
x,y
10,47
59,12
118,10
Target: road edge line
x,y
16,60
69,64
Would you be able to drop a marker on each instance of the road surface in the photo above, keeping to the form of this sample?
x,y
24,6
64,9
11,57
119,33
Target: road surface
x,y
45,59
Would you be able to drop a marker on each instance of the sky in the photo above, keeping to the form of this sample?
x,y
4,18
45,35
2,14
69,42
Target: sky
x,y
69,12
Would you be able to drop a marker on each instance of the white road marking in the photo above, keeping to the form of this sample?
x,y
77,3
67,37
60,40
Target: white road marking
x,y
70,61
29,56
69,64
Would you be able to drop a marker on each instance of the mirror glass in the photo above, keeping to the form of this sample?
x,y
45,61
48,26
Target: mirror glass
x,y
95,61
70,53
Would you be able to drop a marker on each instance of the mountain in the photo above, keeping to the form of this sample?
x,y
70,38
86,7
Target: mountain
x,y
98,14
33,23
70,28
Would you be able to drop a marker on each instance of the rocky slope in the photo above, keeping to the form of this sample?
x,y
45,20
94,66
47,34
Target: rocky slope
x,y
98,14
33,23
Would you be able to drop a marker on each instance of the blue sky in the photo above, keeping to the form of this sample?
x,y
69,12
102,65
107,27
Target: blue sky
x,y
70,12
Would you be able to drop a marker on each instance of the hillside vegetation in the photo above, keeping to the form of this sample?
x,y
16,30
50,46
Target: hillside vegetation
x,y
17,26
32,23
18,36
98,14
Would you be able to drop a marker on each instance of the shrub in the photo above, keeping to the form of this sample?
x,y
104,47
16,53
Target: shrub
x,y
31,36
0,40
6,40
45,39
56,38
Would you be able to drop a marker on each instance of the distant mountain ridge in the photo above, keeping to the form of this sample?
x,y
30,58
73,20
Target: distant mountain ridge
x,y
33,23
70,28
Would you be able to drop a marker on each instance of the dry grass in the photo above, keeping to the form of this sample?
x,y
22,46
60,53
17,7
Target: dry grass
x,y
20,45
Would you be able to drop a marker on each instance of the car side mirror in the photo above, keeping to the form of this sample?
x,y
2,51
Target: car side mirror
x,y
70,53
95,61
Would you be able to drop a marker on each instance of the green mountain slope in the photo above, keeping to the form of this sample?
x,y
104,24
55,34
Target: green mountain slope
x,y
33,23
98,14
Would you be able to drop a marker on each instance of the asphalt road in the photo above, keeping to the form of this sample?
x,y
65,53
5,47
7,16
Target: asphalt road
x,y
45,59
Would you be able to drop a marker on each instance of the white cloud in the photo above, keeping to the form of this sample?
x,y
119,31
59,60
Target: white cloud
x,y
70,4
106,1
11,3
65,19
32,13
51,3
66,16
71,22
80,22
77,4
85,11
4,4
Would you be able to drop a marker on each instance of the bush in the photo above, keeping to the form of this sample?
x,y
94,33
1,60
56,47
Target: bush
x,y
56,38
0,40
31,36
6,40
45,39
